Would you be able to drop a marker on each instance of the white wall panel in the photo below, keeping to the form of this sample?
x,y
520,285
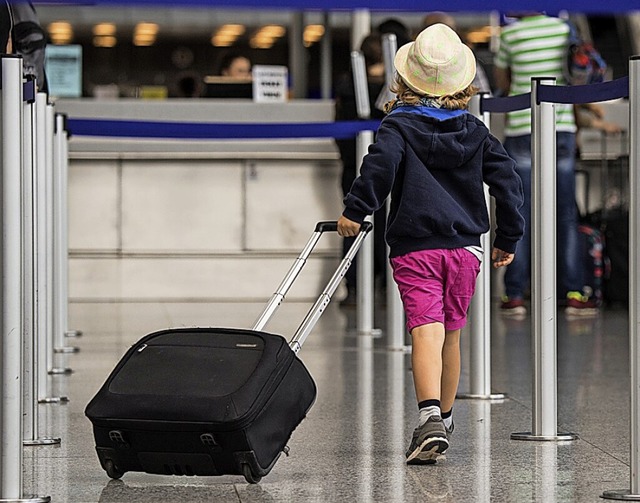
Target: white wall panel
x,y
189,206
93,205
285,200
241,278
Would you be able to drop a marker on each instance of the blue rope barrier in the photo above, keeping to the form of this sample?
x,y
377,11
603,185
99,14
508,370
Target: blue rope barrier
x,y
591,93
505,104
146,129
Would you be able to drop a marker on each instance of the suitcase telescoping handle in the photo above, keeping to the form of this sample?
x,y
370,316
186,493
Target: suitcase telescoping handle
x,y
318,308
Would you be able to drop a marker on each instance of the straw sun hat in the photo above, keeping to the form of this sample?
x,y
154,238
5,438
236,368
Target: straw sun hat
x,y
437,63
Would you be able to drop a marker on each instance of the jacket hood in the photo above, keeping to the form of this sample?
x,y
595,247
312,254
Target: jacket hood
x,y
455,135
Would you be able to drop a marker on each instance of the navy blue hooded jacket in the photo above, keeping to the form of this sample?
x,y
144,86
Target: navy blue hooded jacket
x,y
433,162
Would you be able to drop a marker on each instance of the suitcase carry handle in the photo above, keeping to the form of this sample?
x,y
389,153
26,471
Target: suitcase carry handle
x,y
317,309
328,226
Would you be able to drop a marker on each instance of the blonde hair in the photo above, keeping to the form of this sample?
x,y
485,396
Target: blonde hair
x,y
458,101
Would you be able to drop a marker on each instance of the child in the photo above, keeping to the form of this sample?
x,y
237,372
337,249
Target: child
x,y
433,157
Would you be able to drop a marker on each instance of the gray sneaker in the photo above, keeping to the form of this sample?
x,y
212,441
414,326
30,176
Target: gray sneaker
x,y
449,430
429,441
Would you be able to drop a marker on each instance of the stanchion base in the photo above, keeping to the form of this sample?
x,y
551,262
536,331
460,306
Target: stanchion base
x,y
493,397
60,370
73,333
54,399
404,349
66,349
376,333
30,499
621,494
558,437
41,441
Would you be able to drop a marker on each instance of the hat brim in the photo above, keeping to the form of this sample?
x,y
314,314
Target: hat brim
x,y
400,63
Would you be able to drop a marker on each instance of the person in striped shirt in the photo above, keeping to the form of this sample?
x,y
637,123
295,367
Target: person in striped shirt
x,y
535,45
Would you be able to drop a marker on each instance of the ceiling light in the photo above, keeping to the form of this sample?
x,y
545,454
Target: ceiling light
x,y
273,30
261,42
104,41
223,40
312,33
144,40
60,32
147,28
104,29
231,29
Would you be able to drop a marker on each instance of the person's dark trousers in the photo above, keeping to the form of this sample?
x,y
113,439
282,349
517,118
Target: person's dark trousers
x,y
570,267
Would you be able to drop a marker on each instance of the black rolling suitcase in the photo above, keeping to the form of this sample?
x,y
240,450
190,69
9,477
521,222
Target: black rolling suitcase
x,y
210,401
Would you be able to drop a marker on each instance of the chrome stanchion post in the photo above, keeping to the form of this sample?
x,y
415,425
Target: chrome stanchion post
x,y
395,313
365,415
11,479
43,278
480,309
50,189
60,242
364,307
40,249
543,270
31,421
65,228
11,452
396,376
633,494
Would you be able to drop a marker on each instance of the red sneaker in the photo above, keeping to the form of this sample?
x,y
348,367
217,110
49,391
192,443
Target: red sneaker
x,y
580,305
513,307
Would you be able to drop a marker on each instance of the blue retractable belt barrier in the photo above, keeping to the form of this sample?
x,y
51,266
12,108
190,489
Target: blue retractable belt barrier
x,y
506,104
591,93
149,129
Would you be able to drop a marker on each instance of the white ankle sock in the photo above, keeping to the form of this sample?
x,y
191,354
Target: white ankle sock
x,y
448,421
427,412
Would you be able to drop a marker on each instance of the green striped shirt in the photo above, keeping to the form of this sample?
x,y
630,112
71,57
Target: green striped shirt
x,y
534,46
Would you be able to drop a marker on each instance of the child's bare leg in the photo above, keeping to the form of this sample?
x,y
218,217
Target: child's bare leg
x,y
429,439
426,360
450,369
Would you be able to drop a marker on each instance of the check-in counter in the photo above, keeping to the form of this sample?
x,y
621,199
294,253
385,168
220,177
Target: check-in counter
x,y
184,219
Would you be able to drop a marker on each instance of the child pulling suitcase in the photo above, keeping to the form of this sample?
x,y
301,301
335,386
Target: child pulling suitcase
x,y
211,401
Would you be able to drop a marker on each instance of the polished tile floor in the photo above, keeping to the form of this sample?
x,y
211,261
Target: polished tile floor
x,y
351,446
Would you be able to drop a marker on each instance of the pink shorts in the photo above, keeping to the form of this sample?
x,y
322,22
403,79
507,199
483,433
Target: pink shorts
x,y
436,286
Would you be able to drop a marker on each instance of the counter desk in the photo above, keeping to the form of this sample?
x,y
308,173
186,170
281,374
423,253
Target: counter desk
x,y
185,219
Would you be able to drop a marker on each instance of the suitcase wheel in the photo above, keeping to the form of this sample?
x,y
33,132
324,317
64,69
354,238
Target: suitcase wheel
x,y
248,475
111,470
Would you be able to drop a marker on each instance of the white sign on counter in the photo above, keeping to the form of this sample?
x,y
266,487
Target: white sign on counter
x,y
269,83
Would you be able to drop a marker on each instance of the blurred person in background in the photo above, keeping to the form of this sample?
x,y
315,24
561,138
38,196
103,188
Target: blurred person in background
x,y
5,27
189,85
398,28
536,44
29,40
345,98
235,65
